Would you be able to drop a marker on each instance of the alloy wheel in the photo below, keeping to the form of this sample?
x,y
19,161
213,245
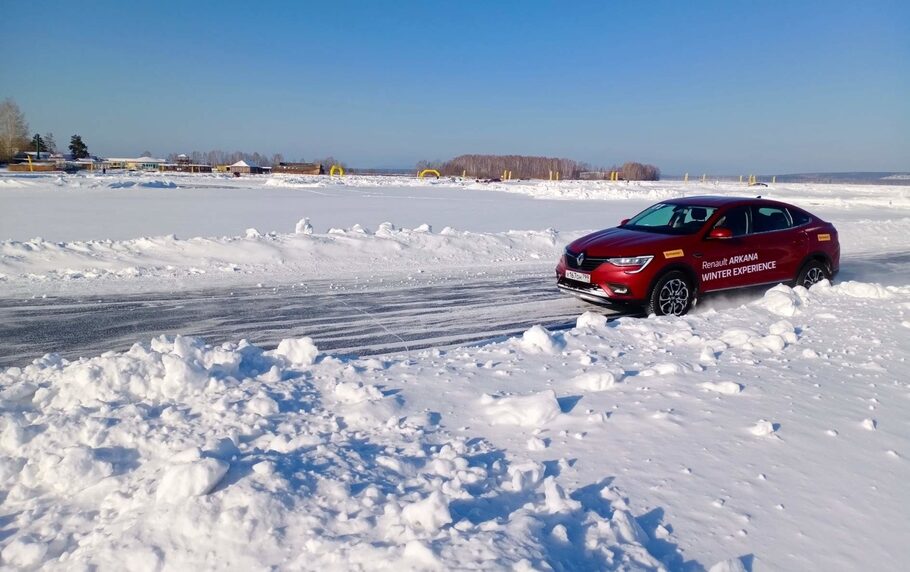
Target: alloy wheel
x,y
813,276
673,298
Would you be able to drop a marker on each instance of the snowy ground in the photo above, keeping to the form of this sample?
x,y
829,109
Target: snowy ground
x,y
762,432
68,235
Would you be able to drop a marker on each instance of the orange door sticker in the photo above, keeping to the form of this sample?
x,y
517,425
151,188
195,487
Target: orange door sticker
x,y
673,253
824,237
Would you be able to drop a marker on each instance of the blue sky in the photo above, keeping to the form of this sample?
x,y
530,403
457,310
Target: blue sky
x,y
718,87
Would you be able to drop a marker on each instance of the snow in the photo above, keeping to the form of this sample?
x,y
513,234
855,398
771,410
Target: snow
x,y
193,479
761,432
89,224
293,458
301,351
532,410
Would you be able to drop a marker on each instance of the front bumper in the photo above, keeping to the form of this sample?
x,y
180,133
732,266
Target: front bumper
x,y
595,295
609,286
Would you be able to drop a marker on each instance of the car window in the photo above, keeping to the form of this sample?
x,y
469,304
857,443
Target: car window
x,y
735,219
668,218
798,217
768,219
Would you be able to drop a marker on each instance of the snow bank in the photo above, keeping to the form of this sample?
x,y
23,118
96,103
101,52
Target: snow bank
x,y
839,196
205,262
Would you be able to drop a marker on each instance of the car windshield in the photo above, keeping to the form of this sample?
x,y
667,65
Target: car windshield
x,y
668,218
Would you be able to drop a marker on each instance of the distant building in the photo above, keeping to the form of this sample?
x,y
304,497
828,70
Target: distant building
x,y
183,164
137,164
31,161
84,164
242,167
299,168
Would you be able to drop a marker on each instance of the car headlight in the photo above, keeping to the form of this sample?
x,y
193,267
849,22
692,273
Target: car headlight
x,y
634,264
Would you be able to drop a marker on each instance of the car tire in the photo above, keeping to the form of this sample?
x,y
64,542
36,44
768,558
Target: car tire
x,y
811,273
672,295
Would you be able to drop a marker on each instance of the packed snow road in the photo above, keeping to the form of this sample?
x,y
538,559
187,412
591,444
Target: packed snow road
x,y
346,318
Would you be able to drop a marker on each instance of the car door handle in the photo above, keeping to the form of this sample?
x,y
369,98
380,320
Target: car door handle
x,y
697,254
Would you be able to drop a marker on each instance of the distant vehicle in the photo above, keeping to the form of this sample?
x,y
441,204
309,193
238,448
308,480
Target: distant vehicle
x,y
666,256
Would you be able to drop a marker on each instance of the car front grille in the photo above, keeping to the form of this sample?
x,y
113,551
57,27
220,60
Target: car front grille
x,y
587,265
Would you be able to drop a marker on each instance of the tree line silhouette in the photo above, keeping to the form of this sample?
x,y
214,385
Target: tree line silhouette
x,y
528,167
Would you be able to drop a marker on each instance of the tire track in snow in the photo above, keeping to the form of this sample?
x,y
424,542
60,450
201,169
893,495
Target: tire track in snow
x,y
347,318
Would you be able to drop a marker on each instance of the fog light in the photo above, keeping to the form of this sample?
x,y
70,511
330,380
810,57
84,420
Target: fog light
x,y
619,288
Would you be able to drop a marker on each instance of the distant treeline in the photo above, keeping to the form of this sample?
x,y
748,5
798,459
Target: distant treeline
x,y
218,157
525,167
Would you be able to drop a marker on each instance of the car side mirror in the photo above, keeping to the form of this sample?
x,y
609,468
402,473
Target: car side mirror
x,y
720,233
623,222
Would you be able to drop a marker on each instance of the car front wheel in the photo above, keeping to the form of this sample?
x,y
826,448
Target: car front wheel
x,y
671,296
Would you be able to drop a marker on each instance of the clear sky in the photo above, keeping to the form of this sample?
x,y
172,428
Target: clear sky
x,y
728,86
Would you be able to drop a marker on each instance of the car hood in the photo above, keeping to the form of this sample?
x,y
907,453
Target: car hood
x,y
622,242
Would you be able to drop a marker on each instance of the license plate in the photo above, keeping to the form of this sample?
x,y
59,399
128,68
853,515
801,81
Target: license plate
x,y
578,276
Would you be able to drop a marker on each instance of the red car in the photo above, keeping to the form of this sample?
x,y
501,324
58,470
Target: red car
x,y
666,256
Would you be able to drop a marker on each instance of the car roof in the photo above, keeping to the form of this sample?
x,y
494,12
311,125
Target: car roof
x,y
715,201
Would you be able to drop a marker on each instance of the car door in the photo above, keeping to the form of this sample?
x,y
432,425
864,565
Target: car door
x,y
780,245
723,260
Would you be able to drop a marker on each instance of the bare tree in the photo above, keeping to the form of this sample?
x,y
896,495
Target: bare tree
x,y
329,161
50,144
639,172
520,166
13,130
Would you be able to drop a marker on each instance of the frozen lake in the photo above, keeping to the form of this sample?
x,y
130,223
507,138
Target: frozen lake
x,y
120,207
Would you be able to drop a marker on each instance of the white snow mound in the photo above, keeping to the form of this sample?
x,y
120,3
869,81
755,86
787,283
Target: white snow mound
x,y
539,340
300,351
533,410
191,479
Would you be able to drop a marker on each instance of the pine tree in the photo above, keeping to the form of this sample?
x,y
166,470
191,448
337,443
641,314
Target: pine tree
x,y
38,145
78,148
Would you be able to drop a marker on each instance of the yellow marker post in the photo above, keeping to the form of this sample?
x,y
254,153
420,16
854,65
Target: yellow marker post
x,y
30,167
464,173
557,175
773,179
686,178
740,178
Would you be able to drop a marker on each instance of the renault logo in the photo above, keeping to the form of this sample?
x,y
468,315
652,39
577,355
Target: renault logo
x,y
580,258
